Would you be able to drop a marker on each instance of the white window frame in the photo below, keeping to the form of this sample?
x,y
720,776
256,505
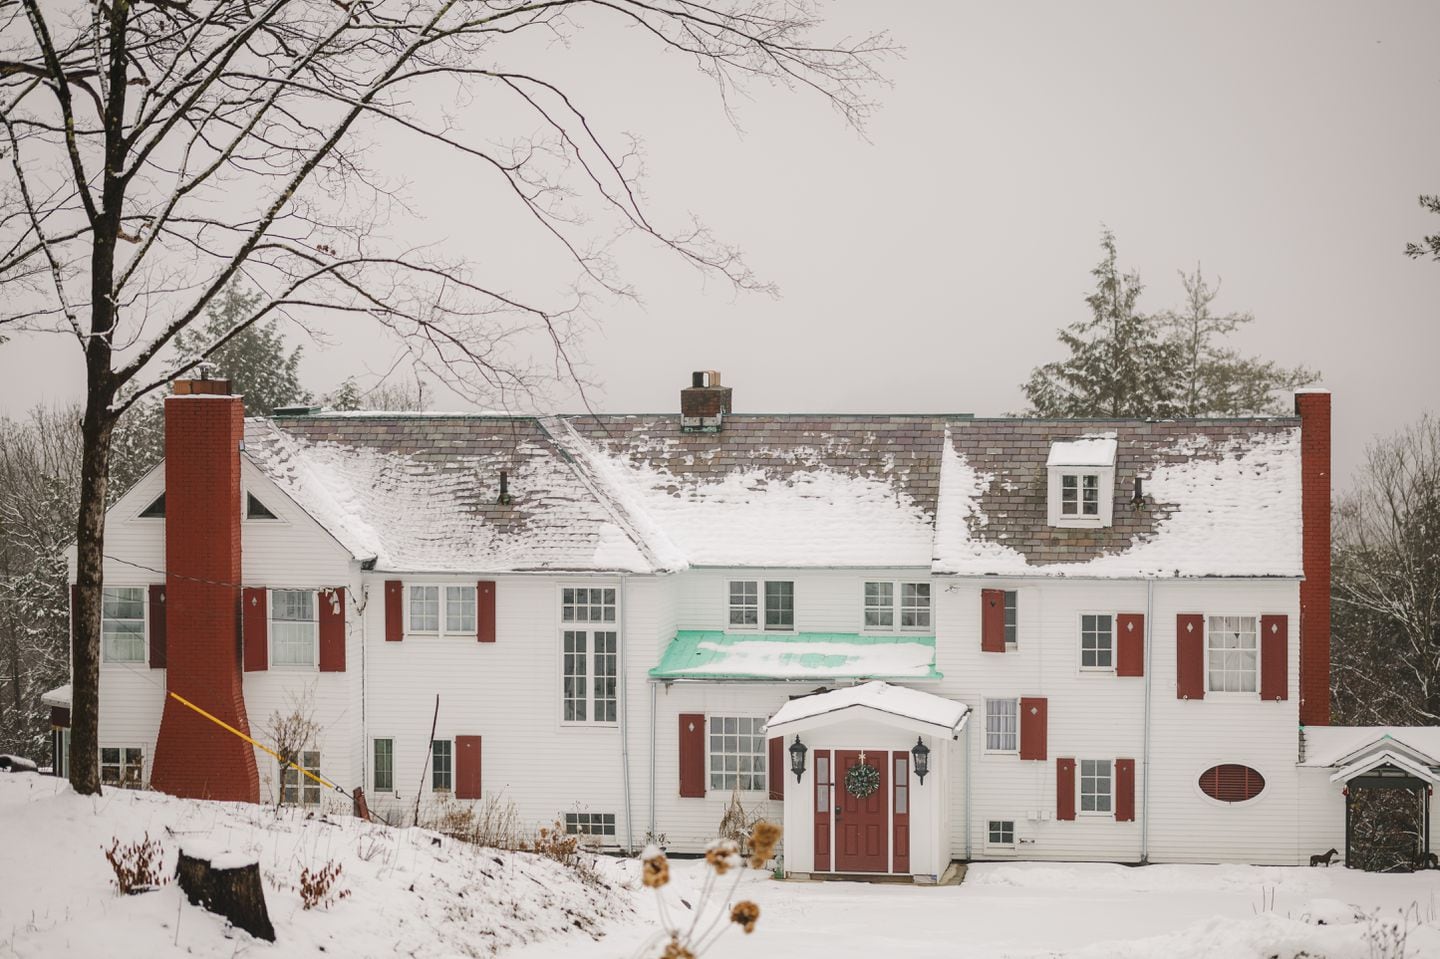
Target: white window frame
x,y
593,630
985,731
990,831
1241,694
449,787
123,764
1108,796
1105,507
882,592
375,786
1010,602
144,622
443,628
758,756
275,663
1080,641
896,606
762,590
747,603
593,825
306,791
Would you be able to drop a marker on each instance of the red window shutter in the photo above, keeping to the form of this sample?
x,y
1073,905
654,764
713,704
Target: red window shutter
x,y
255,616
1124,790
992,620
1190,656
1274,657
692,755
467,768
394,611
1065,789
1130,644
485,611
157,625
1034,728
776,760
332,630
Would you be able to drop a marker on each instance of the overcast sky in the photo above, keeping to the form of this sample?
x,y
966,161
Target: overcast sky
x,y
1281,146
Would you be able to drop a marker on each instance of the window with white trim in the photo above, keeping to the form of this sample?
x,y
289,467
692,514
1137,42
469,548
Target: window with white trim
x,y
1012,618
442,764
590,658
879,605
1000,832
590,823
122,766
1096,782
383,776
122,624
1080,495
745,603
1097,641
296,788
443,611
1232,654
914,605
294,627
779,604
1002,725
737,753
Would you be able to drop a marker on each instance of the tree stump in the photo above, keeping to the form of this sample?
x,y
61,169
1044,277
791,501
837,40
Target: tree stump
x,y
228,886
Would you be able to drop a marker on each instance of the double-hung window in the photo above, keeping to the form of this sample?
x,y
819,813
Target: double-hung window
x,y
384,766
297,788
1097,641
442,611
914,605
122,766
294,627
442,765
590,655
737,753
1002,726
1095,785
1232,655
887,604
1012,618
879,605
753,602
122,624
1080,494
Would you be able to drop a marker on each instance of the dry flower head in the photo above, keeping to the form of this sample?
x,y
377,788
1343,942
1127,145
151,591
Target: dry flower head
x,y
745,915
654,868
762,843
722,856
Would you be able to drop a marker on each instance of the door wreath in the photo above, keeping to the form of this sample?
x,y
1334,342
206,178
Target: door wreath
x,y
861,780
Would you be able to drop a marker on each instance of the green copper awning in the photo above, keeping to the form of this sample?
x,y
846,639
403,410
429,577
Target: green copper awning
x,y
715,654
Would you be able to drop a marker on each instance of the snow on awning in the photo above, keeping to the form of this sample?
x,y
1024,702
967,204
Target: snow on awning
x,y
59,696
1382,759
1097,449
911,706
717,655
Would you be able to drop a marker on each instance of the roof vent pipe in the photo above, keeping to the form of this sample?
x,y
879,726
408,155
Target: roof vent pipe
x,y
504,498
1138,499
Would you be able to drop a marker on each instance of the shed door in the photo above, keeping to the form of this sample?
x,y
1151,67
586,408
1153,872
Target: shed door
x,y
862,826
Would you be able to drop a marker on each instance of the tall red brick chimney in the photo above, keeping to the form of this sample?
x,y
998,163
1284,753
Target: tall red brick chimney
x,y
1313,407
204,428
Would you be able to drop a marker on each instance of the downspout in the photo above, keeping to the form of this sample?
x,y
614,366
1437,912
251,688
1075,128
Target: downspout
x,y
625,714
653,687
1149,679
965,746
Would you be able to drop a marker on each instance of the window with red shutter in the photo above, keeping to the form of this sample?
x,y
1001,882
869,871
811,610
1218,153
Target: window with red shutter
x,y
1274,658
992,620
776,759
332,630
485,611
1130,644
394,611
1189,656
468,780
1034,728
1124,790
158,626
255,626
1231,783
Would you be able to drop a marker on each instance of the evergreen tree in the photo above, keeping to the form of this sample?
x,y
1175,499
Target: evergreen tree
x,y
1214,379
1428,245
1119,364
255,360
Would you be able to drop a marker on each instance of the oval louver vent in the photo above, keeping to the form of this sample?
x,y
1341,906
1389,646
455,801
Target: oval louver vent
x,y
1231,783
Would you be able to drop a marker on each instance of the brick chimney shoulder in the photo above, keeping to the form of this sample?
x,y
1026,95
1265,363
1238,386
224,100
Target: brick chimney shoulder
x,y
194,758
1313,407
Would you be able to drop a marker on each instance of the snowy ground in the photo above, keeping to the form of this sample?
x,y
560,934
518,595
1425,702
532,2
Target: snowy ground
x,y
412,897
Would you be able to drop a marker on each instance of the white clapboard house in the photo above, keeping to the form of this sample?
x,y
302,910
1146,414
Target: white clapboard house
x,y
912,638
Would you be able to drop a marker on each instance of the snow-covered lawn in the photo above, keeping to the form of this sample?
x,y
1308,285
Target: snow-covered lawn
x,y
410,896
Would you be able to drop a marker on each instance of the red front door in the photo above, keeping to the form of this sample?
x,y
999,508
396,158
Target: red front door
x,y
861,825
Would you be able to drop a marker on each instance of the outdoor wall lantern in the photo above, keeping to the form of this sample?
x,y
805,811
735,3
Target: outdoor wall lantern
x,y
797,757
921,752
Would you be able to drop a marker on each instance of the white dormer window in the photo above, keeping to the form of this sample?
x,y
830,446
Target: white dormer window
x,y
1082,481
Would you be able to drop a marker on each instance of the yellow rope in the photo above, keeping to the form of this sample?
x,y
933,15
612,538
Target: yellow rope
x,y
224,725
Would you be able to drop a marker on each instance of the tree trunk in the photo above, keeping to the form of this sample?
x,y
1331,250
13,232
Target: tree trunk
x,y
236,894
96,432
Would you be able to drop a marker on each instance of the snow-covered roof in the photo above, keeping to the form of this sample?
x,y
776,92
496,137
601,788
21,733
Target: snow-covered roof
x,y
1221,498
899,701
1381,759
712,654
59,696
1340,745
1093,450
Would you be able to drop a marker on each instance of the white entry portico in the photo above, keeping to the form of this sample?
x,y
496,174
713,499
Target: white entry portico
x,y
890,818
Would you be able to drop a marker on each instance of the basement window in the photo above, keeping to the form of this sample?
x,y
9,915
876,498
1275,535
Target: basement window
x,y
590,823
1000,832
254,509
122,766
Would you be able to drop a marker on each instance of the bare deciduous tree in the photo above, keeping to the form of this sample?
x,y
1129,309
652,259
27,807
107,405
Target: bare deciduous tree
x,y
289,733
157,150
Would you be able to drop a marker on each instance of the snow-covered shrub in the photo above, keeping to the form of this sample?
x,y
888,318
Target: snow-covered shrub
x,y
318,888
137,865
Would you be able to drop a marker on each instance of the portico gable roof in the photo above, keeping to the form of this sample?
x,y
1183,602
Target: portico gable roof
x,y
894,705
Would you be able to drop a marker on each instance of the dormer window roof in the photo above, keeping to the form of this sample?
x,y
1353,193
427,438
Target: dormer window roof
x,y
1081,481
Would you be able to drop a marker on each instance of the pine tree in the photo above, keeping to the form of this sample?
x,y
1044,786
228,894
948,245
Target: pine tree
x,y
1119,364
1428,245
1214,379
255,360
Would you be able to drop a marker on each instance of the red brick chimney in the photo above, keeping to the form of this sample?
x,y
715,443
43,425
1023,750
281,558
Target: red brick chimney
x,y
204,428
1313,407
704,404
